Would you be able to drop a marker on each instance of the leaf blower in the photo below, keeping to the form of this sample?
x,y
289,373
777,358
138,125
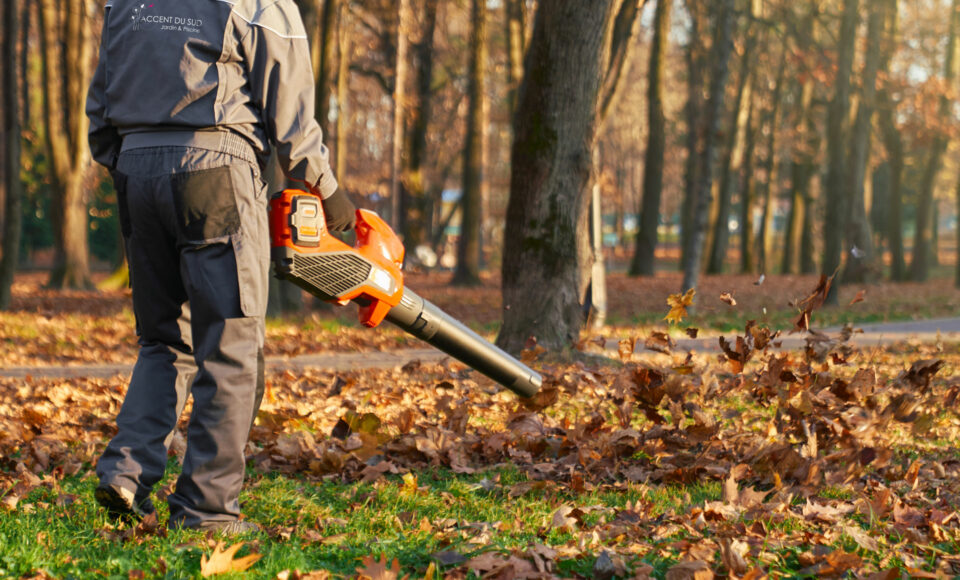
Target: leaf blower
x,y
370,274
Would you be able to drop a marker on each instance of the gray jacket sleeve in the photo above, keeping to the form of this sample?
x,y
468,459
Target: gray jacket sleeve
x,y
103,137
281,78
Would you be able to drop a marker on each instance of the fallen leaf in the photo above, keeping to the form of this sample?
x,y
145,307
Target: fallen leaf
x,y
222,561
690,571
563,519
377,570
733,553
862,538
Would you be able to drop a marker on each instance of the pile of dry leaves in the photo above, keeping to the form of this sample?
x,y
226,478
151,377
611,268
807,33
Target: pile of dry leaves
x,y
776,428
785,434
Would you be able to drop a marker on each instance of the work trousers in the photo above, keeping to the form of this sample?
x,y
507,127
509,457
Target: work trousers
x,y
195,226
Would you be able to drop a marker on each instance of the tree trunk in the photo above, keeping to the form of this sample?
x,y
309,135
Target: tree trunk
x,y
801,173
416,216
803,160
621,48
934,234
772,170
923,241
695,56
799,234
343,92
748,192
469,248
808,260
957,274
3,125
593,265
733,154
26,15
308,13
720,72
862,262
516,44
555,129
837,139
399,108
644,262
11,153
66,45
326,65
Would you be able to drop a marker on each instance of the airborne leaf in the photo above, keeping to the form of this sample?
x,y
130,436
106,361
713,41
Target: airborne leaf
x,y
678,304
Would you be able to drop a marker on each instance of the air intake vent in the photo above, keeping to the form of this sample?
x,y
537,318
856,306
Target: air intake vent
x,y
332,274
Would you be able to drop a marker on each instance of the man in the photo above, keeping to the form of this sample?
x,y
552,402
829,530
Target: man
x,y
186,102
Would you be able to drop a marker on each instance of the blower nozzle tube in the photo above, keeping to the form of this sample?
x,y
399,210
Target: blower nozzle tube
x,y
424,320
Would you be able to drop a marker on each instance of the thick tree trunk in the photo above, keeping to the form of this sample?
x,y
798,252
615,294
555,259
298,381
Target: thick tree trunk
x,y
469,248
416,215
556,128
837,199
695,57
862,262
11,152
643,263
65,78
720,72
772,170
923,241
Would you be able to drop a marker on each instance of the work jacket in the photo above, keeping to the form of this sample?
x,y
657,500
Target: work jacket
x,y
169,69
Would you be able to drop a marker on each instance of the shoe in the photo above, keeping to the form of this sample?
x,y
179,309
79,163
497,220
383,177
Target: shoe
x,y
229,528
122,503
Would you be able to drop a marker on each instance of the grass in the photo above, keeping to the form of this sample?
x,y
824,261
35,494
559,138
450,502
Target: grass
x,y
332,526
356,519
65,534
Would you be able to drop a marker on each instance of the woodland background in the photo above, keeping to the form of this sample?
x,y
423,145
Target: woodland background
x,y
555,141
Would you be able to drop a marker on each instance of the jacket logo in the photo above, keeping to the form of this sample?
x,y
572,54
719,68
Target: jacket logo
x,y
165,23
138,15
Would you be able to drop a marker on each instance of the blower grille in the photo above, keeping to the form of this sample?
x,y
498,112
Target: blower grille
x,y
332,274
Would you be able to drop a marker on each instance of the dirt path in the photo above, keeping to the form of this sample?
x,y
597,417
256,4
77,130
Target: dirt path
x,y
873,335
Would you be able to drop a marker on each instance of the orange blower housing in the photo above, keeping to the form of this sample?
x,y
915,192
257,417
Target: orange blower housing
x,y
305,253
371,275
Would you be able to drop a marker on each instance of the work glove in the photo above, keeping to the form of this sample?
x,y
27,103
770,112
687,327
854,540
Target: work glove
x,y
340,212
